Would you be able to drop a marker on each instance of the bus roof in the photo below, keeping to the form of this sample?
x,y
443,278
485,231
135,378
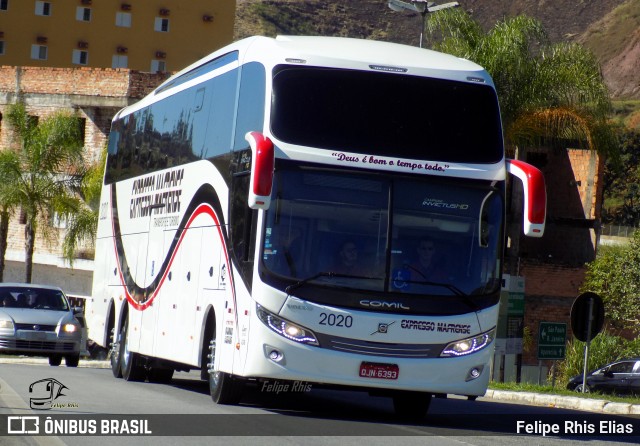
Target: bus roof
x,y
341,52
338,52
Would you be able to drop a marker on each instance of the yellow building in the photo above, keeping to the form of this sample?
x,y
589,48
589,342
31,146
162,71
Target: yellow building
x,y
144,35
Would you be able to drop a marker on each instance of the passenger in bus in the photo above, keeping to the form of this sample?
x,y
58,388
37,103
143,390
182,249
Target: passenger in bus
x,y
428,265
347,260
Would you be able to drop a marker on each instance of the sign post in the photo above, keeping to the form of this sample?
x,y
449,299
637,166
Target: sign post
x,y
552,339
587,319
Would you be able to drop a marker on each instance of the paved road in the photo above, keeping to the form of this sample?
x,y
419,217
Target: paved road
x,y
319,417
528,398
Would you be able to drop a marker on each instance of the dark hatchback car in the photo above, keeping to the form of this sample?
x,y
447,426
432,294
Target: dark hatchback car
x,y
621,377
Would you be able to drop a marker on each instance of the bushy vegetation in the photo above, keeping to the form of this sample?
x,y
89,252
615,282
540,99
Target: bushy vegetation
x,y
604,348
615,276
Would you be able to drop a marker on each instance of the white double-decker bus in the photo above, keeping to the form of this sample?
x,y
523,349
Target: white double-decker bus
x,y
321,210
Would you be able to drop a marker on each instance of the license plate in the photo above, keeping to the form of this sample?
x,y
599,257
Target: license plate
x,y
35,335
380,371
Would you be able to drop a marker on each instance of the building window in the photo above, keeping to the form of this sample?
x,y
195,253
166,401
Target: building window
x,y
4,5
80,57
22,216
161,25
83,14
123,19
1,47
58,221
43,8
119,61
158,65
39,52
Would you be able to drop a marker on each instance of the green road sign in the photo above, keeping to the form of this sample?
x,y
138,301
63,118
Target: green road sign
x,y
552,338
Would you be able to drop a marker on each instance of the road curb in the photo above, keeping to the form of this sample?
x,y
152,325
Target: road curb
x,y
87,363
564,402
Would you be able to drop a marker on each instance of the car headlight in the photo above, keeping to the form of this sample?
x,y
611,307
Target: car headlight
x,y
7,325
286,329
70,328
469,345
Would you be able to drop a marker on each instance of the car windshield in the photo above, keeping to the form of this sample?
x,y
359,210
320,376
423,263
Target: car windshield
x,y
421,236
32,297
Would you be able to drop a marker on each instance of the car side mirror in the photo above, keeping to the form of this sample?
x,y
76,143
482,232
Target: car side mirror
x,y
78,310
608,374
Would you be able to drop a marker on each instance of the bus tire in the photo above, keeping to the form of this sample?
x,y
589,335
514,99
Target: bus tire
x,y
411,405
116,353
132,370
223,387
55,360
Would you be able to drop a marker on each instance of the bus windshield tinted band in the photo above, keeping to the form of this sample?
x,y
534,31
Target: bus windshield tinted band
x,y
386,114
331,230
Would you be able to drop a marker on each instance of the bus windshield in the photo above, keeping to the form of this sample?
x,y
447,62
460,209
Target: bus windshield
x,y
386,114
422,236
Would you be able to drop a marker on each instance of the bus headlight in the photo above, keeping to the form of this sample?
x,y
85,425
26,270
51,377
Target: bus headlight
x,y
286,329
469,345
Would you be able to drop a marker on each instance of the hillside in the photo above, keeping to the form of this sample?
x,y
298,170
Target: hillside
x,y
610,28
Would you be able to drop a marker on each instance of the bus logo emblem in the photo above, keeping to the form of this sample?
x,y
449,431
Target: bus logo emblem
x,y
383,328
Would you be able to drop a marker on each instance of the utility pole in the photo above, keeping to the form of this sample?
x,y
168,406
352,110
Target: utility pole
x,y
422,7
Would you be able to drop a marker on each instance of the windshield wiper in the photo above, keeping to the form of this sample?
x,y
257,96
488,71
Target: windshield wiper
x,y
454,289
325,274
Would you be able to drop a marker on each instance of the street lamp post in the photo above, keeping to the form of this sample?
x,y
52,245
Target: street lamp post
x,y
423,7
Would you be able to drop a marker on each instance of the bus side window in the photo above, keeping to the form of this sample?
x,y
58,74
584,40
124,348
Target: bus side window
x,y
250,103
242,221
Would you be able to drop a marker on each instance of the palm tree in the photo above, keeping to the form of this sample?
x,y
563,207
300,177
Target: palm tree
x,y
82,222
547,92
42,173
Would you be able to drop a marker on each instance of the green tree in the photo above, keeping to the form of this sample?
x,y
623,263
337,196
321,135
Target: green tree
x,y
41,175
622,182
82,222
615,276
7,206
548,93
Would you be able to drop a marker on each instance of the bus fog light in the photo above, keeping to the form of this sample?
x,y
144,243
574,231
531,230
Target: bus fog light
x,y
469,345
274,354
474,373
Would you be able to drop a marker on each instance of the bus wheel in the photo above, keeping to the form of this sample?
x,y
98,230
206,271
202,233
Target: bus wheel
x,y
132,370
116,353
411,405
55,360
223,387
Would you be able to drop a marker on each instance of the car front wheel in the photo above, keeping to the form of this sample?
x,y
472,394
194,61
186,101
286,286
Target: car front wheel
x,y
72,360
579,389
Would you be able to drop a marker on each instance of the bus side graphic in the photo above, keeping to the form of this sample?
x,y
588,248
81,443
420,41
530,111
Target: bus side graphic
x,y
204,201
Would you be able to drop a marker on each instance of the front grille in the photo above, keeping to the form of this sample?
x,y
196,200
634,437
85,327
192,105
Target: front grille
x,y
370,348
30,327
21,344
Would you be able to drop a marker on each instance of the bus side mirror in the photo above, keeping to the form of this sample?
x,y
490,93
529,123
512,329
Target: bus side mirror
x,y
262,164
535,196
